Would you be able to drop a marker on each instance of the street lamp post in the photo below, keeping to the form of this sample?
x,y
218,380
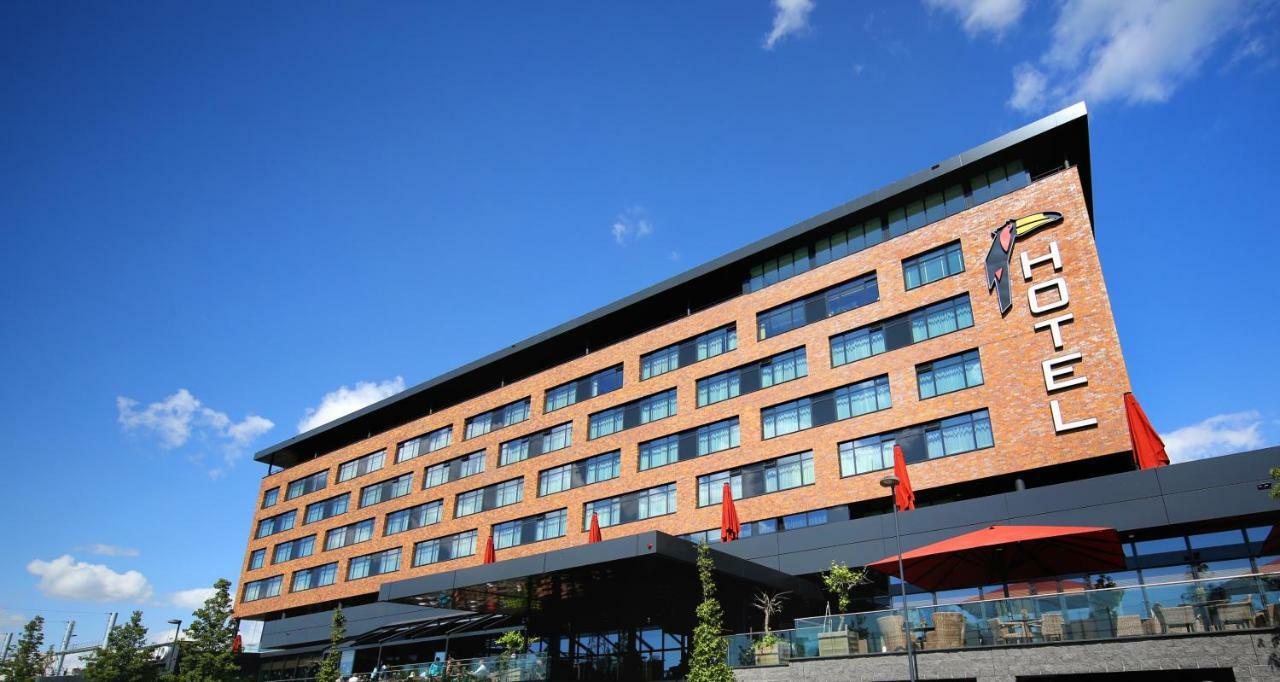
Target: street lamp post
x,y
172,664
891,482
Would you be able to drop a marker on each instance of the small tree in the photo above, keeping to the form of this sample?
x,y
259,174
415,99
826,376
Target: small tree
x,y
839,581
1275,477
331,667
27,662
206,655
769,606
709,658
124,657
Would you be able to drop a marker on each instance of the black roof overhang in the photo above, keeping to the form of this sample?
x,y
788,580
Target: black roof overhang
x,y
1064,133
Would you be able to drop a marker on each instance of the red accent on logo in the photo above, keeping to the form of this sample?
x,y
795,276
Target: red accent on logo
x,y
999,274
1006,238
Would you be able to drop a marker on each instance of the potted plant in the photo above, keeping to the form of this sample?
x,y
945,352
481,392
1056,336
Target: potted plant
x,y
840,640
514,644
770,649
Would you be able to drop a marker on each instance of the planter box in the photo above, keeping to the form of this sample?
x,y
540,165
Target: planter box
x,y
838,643
776,654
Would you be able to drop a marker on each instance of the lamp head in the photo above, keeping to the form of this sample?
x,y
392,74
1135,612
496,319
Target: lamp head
x,y
175,621
889,481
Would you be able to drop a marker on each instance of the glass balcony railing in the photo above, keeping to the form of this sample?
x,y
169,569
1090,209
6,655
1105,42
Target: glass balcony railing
x,y
1242,602
520,668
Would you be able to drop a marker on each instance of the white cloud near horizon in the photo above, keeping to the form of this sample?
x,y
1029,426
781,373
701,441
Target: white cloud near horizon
x,y
631,226
1217,435
66,578
174,421
100,549
790,17
10,620
191,599
344,400
983,16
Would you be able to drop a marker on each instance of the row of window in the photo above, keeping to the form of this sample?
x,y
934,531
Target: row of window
x,y
817,306
777,369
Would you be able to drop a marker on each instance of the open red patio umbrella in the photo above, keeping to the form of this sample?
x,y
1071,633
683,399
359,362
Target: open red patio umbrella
x,y
1005,553
730,529
594,535
904,496
490,556
1148,449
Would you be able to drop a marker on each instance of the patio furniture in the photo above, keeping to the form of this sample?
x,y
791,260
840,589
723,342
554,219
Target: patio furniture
x,y
1053,627
1176,617
891,631
1129,626
1235,615
1006,633
948,631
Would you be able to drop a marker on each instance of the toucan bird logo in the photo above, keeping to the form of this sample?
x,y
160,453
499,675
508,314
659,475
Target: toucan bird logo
x,y
1001,253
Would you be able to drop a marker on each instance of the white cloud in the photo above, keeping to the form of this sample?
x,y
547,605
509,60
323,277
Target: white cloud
x,y
345,400
191,599
1028,88
176,419
978,16
99,549
11,621
67,578
1218,435
791,16
630,226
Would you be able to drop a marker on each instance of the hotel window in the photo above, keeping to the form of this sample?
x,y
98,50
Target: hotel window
x,y
685,353
425,444
816,517
818,306
778,369
942,438
580,473
293,549
774,270
555,438
270,497
950,374
378,563
499,418
349,534
256,557
999,181
530,529
443,549
688,444
454,469
311,578
386,490
361,466
761,478
643,504
319,511
489,497
578,390
262,589
902,330
632,414
310,484
848,241
844,402
276,524
932,266
413,517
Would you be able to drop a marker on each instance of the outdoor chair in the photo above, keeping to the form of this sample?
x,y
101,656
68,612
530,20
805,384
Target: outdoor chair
x,y
1236,615
1129,626
1053,627
891,631
1005,633
1176,617
948,631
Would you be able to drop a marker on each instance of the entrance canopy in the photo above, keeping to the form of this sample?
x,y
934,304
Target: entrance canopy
x,y
1007,553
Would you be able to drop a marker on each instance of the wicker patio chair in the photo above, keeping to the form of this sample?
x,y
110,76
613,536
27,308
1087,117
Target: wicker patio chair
x,y
1053,627
948,631
1176,617
1005,633
891,632
1237,615
1129,626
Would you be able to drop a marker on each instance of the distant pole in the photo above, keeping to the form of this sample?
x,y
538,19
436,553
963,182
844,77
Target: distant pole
x,y
4,650
891,482
66,644
111,625
172,664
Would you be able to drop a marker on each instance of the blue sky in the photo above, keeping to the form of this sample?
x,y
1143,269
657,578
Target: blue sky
x,y
222,221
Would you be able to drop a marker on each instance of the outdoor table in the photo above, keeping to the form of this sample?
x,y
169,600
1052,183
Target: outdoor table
x,y
920,631
1025,627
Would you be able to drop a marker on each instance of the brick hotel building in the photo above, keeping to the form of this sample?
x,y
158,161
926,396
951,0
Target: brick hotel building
x,y
788,369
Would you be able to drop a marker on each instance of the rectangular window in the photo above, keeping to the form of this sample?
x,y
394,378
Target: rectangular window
x,y
530,529
319,511
635,413
932,266
443,549
361,466
293,549
386,490
425,444
489,497
942,438
902,330
578,390
413,517
761,478
689,444
835,405
643,504
849,241
950,374
311,578
454,469
499,418
778,369
270,497
998,181
309,484
349,534
256,557
262,589
378,563
817,306
580,473
276,524
776,269
555,438
708,345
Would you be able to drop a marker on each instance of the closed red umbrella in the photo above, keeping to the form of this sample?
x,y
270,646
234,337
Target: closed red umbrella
x,y
594,535
1004,553
1148,449
904,497
490,556
730,529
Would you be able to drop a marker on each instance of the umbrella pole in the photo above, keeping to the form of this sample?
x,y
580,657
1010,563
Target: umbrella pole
x,y
902,582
